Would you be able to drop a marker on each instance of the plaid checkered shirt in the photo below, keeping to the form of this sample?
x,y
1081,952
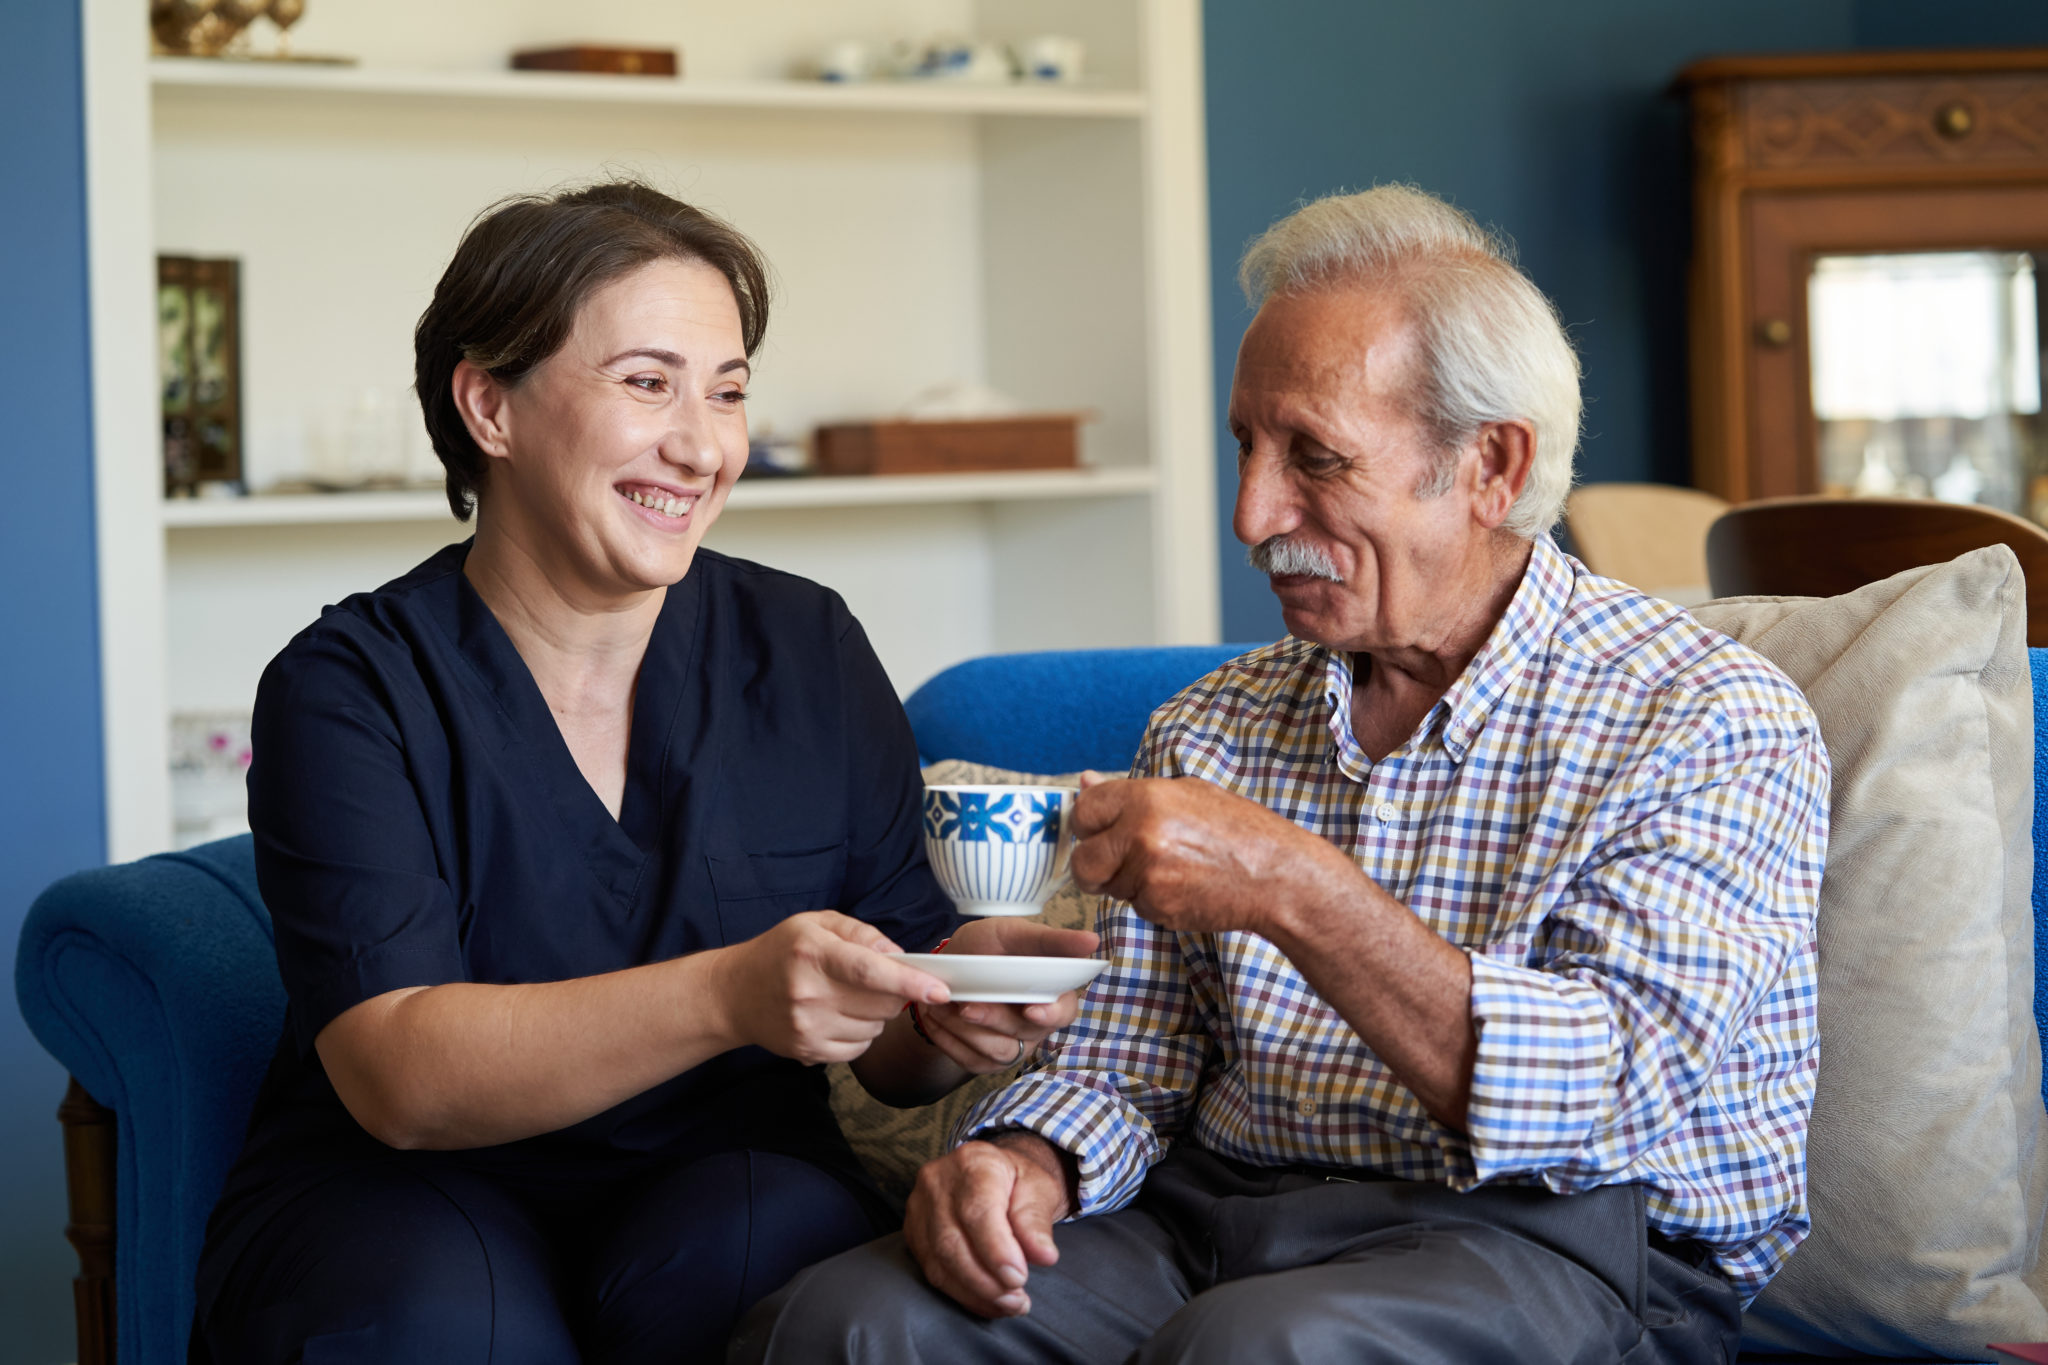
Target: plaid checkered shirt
x,y
1620,815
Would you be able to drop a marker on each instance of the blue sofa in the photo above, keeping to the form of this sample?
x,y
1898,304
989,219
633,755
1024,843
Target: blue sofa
x,y
155,983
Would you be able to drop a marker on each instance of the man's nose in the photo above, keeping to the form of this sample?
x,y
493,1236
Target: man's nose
x,y
1265,499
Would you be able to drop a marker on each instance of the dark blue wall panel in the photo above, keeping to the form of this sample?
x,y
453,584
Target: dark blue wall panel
x,y
1945,23
1548,121
50,773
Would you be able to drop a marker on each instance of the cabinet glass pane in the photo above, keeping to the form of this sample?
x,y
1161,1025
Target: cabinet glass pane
x,y
1927,377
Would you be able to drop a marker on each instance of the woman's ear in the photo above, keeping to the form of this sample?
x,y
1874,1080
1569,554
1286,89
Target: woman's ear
x,y
481,400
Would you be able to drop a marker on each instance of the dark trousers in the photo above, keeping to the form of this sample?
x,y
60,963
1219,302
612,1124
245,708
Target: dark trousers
x,y
1219,1262
394,1262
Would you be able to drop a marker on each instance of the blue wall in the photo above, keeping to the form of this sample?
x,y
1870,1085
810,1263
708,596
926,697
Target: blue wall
x,y
1945,23
50,771
1548,121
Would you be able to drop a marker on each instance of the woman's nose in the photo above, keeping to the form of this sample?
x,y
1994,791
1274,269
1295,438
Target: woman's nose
x,y
692,443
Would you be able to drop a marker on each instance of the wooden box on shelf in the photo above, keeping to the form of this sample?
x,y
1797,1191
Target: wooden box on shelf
x,y
608,61
1041,441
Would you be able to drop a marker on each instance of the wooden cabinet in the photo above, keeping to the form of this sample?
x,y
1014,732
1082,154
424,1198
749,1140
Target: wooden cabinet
x,y
1804,159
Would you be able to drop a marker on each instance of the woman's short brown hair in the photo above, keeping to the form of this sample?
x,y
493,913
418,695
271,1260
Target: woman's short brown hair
x,y
523,271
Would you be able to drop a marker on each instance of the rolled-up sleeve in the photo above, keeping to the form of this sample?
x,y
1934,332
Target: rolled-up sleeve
x,y
1595,1042
344,858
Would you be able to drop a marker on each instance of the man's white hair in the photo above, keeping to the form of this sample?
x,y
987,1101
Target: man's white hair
x,y
1492,346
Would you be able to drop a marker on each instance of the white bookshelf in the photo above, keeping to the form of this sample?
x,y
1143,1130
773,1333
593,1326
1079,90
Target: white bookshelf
x,y
1048,241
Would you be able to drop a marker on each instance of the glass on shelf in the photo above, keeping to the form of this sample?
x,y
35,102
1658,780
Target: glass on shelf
x,y
1927,377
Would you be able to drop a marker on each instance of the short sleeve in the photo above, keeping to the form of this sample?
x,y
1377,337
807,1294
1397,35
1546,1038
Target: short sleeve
x,y
889,882
344,857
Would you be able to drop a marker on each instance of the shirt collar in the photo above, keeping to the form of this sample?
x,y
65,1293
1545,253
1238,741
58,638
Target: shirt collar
x,y
1520,635
1531,619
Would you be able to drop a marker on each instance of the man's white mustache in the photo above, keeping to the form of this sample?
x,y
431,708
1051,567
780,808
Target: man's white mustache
x,y
1296,558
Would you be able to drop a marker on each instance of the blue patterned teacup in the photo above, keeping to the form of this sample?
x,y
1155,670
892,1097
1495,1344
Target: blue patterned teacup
x,y
999,850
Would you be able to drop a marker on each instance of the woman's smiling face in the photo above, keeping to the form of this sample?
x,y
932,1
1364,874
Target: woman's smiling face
x,y
617,452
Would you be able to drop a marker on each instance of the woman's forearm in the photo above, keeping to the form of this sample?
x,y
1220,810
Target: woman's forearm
x,y
468,1065
904,1070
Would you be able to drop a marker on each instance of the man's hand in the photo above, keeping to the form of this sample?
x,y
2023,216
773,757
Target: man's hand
x,y
983,1038
982,1215
820,986
1192,857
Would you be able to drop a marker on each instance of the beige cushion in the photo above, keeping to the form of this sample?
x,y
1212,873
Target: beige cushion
x,y
893,1143
1925,1170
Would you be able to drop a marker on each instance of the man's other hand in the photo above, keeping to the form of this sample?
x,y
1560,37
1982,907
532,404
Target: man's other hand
x,y
982,1215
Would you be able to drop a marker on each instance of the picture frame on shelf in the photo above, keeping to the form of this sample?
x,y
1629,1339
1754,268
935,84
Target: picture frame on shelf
x,y
199,362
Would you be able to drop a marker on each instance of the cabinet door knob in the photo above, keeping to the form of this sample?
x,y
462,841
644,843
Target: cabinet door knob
x,y
1774,332
1954,120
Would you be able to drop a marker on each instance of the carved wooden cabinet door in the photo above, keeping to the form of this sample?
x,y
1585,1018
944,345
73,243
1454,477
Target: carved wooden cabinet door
x,y
1864,298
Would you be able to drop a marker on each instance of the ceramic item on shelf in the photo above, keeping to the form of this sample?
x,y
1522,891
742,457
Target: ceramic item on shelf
x,y
849,59
999,850
1009,980
968,62
1051,57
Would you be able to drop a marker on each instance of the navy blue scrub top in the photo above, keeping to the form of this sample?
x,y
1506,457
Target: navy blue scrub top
x,y
419,820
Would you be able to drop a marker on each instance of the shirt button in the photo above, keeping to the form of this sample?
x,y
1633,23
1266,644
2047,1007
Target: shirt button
x,y
1305,1106
1385,811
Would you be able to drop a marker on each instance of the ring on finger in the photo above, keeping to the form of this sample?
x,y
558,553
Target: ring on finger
x,y
1020,1053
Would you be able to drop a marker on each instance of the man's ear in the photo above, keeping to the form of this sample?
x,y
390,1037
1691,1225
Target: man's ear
x,y
1506,454
481,400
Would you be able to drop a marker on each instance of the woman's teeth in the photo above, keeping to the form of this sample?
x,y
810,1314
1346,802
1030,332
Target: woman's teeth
x,y
668,507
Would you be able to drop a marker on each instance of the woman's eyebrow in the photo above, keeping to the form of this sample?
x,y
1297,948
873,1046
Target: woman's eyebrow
x,y
674,361
669,358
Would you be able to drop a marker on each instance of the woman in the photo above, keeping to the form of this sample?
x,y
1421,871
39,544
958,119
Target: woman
x,y
580,843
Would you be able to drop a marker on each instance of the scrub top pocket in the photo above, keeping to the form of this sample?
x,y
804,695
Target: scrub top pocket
x,y
757,891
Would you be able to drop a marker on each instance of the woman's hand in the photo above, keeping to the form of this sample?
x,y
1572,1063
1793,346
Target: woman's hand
x,y
983,1038
820,986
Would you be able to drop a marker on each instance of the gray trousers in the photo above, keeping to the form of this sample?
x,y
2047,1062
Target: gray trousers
x,y
1220,1262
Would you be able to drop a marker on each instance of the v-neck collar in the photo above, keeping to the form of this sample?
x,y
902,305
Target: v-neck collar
x,y
617,850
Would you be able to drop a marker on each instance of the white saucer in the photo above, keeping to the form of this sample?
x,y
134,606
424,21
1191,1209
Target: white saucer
x,y
1009,980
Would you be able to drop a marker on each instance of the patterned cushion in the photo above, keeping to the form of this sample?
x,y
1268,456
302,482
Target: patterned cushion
x,y
892,1143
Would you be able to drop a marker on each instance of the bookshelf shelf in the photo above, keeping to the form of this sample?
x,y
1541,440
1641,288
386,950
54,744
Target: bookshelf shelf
x,y
902,490
171,74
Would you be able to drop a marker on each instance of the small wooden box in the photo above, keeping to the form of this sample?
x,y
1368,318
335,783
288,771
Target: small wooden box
x,y
979,445
609,61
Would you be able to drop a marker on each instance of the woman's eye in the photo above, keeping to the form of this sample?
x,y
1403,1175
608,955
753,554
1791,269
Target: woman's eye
x,y
731,396
648,383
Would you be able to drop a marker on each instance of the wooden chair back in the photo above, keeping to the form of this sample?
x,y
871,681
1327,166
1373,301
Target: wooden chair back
x,y
1820,547
1649,535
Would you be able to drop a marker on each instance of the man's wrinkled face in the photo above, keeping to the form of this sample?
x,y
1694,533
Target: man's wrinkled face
x,y
1332,465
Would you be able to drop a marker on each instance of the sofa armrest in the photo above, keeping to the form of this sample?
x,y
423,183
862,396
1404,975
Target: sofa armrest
x,y
155,984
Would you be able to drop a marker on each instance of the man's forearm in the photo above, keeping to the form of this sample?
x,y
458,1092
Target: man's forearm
x,y
1404,990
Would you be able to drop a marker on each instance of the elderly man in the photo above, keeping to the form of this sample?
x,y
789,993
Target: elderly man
x,y
1461,1004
